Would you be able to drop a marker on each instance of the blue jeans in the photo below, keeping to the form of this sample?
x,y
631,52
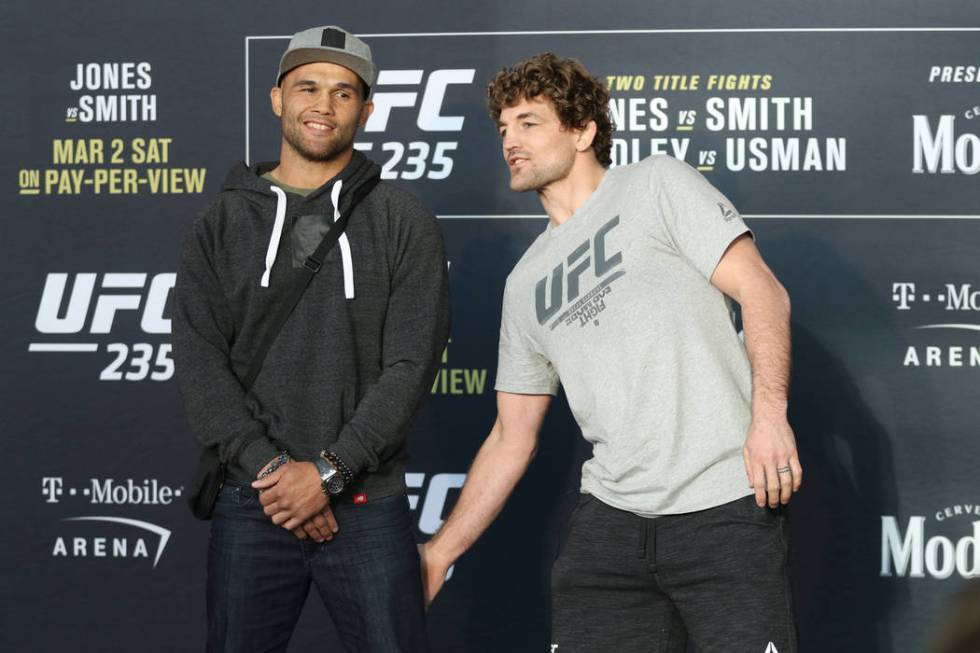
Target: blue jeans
x,y
368,576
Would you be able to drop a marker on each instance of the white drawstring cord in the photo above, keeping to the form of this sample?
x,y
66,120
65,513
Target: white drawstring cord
x,y
270,254
344,243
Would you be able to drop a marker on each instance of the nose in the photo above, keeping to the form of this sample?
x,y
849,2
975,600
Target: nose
x,y
509,142
324,103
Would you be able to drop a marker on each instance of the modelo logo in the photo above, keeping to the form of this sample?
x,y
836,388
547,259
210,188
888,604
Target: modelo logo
x,y
911,554
942,151
433,96
106,305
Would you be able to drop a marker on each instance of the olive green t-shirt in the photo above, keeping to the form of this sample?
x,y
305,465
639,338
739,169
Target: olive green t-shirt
x,y
302,192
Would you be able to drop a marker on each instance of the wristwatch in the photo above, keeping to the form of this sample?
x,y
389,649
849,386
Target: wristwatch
x,y
331,481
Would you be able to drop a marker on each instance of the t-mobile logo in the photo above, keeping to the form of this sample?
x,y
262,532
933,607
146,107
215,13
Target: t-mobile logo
x,y
902,294
51,487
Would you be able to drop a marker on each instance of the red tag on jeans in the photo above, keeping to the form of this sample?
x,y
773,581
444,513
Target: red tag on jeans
x,y
360,498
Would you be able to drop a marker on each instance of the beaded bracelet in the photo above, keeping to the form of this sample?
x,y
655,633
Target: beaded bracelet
x,y
339,465
276,464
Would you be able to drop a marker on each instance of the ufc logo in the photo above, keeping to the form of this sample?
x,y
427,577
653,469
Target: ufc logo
x,y
590,254
434,499
429,117
50,319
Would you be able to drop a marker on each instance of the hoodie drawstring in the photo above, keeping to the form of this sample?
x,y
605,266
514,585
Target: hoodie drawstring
x,y
343,242
270,254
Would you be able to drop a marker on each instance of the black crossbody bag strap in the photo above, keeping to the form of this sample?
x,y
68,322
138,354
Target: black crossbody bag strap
x,y
310,267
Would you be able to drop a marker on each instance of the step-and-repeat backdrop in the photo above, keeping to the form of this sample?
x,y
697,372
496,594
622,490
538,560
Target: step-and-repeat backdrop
x,y
853,152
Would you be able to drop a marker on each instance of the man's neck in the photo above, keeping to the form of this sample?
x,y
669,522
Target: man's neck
x,y
294,170
562,198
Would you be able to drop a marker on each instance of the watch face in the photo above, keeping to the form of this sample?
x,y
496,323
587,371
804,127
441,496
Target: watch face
x,y
336,484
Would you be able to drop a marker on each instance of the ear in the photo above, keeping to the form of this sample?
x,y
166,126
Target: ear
x,y
583,142
275,97
366,110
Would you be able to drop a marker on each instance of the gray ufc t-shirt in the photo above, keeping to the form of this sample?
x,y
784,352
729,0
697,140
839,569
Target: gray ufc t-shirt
x,y
616,305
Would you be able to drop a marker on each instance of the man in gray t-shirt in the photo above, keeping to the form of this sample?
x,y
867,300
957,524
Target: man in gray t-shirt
x,y
625,300
616,303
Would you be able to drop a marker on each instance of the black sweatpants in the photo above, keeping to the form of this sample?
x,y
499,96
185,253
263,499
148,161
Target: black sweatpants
x,y
716,577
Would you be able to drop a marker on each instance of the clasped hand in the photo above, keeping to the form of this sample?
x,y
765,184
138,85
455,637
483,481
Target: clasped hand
x,y
293,498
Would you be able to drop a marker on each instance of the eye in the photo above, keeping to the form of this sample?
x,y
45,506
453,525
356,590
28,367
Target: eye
x,y
502,133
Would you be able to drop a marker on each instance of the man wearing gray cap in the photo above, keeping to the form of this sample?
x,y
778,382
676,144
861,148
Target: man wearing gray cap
x,y
312,436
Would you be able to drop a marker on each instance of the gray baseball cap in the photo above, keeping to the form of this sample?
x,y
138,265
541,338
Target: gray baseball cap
x,y
331,44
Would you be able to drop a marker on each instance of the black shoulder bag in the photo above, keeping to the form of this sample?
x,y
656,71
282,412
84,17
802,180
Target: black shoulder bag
x,y
210,475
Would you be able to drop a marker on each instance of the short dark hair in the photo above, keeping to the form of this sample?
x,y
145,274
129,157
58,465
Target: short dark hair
x,y
577,96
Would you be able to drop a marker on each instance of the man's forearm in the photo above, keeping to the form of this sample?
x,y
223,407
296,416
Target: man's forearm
x,y
765,320
497,468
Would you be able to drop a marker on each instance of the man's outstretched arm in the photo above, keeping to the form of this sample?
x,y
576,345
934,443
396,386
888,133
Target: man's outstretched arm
x,y
771,459
498,466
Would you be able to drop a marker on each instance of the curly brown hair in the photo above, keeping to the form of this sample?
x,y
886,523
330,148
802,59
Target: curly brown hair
x,y
577,96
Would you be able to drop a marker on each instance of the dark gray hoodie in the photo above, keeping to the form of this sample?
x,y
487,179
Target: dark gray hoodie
x,y
357,355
